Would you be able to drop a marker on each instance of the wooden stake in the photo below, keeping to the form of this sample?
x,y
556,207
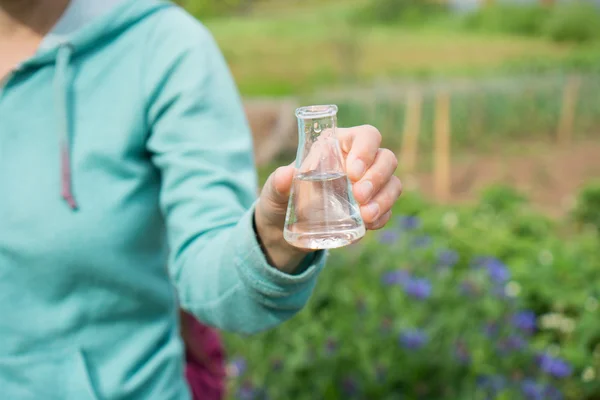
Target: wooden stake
x,y
442,147
410,136
477,117
567,115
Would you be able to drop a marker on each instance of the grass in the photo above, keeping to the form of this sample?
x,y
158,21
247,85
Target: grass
x,y
300,48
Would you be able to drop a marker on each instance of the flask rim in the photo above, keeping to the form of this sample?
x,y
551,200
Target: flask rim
x,y
316,111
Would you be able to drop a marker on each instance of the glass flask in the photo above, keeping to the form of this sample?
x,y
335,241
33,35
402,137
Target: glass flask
x,y
322,212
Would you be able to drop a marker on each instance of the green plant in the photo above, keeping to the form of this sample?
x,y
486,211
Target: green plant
x,y
517,19
570,22
502,198
574,22
587,210
447,303
399,11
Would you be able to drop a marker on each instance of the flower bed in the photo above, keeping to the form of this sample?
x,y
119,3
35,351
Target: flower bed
x,y
490,301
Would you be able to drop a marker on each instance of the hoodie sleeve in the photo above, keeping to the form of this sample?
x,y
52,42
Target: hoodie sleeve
x,y
201,144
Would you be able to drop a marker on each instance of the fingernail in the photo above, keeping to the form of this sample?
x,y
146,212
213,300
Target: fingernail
x,y
372,209
365,188
357,168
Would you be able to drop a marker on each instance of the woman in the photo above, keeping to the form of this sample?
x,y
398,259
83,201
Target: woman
x,y
124,147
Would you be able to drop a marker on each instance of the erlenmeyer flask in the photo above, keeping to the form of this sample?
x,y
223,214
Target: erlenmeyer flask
x,y
322,212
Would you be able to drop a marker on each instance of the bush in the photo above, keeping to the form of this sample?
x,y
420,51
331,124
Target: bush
x,y
587,210
577,22
502,198
573,21
514,19
447,303
403,11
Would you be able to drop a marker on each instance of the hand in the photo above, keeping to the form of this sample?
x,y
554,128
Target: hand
x,y
374,185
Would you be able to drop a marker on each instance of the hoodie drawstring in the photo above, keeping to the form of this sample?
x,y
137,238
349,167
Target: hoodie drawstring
x,y
61,99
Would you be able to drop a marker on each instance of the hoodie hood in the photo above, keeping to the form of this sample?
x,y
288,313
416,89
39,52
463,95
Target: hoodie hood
x,y
84,25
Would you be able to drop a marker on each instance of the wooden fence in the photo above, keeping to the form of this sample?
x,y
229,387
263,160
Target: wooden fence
x,y
433,119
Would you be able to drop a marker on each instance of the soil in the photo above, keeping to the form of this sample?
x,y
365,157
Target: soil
x,y
550,175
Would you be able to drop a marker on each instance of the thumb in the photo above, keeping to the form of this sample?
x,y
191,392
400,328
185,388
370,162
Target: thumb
x,y
277,188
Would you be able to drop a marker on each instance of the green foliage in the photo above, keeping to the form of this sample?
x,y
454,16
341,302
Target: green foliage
x,y
460,303
203,9
569,22
266,48
579,22
509,18
403,11
587,210
502,198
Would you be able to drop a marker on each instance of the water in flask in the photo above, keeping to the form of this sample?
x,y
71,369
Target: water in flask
x,y
324,214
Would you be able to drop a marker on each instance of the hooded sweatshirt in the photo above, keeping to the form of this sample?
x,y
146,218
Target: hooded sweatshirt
x,y
127,189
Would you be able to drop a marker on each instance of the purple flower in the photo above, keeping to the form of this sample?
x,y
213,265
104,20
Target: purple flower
x,y
246,392
532,390
512,343
516,342
554,366
478,262
497,271
409,222
525,321
418,288
237,367
388,236
552,393
421,241
491,329
538,391
492,383
396,277
413,339
448,258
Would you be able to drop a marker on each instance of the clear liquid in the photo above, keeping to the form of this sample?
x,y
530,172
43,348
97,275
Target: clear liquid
x,y
322,213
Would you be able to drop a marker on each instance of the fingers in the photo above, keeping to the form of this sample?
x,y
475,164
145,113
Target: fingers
x,y
361,143
278,186
372,171
380,222
382,202
376,176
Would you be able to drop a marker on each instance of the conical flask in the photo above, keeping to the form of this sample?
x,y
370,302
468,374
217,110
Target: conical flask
x,y
322,212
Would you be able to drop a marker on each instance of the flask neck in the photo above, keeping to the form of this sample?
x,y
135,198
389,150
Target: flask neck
x,y
318,148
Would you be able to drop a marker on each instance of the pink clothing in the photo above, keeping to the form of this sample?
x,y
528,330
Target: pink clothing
x,y
205,360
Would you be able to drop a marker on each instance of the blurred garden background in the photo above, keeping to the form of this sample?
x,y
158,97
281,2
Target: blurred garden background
x,y
486,285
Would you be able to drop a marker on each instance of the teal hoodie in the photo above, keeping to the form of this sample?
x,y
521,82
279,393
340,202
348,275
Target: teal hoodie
x,y
127,190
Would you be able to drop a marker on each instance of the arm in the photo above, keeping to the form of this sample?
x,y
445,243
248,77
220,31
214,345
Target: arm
x,y
202,146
